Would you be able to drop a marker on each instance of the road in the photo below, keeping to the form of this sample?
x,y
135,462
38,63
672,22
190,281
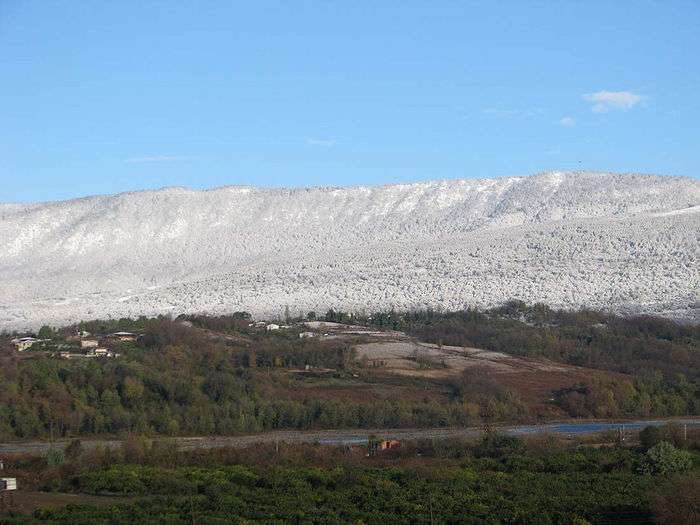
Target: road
x,y
355,436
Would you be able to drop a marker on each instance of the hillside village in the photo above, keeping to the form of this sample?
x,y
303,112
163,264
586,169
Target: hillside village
x,y
80,345
83,344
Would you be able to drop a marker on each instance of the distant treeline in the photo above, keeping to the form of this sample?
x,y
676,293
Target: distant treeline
x,y
181,378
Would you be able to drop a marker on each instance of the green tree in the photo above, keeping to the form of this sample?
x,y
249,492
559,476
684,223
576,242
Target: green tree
x,y
664,458
54,457
45,332
132,391
650,436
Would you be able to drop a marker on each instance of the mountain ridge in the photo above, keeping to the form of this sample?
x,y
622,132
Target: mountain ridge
x,y
187,189
72,259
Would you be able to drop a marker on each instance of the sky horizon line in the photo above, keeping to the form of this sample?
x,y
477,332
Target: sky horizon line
x,y
347,186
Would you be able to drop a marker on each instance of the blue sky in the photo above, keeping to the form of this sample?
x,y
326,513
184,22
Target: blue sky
x,y
102,97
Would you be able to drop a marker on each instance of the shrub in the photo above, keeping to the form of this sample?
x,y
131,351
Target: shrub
x,y
677,501
650,436
54,457
664,458
495,444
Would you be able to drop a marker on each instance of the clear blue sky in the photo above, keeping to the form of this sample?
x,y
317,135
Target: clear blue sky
x,y
102,97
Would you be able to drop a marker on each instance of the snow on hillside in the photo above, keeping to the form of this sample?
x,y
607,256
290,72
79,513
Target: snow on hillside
x,y
629,243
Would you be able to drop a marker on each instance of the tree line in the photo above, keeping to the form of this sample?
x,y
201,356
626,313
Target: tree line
x,y
179,379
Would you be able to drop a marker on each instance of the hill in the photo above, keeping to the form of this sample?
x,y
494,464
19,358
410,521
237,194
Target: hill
x,y
626,243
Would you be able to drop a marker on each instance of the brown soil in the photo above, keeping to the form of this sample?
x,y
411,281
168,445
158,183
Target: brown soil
x,y
28,502
534,379
361,392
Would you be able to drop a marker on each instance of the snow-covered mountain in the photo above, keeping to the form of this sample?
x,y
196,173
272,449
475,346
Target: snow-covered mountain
x,y
628,243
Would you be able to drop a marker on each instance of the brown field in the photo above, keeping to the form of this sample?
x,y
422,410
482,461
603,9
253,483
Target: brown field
x,y
407,357
394,365
28,502
368,386
533,379
398,366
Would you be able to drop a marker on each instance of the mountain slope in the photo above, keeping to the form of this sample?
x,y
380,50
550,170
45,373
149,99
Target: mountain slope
x,y
623,242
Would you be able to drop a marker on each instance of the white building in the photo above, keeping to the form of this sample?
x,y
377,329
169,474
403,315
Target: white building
x,y
123,336
272,326
8,484
25,343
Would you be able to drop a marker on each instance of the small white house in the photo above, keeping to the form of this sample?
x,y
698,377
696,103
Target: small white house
x,y
272,326
306,335
8,483
123,336
89,343
24,343
101,352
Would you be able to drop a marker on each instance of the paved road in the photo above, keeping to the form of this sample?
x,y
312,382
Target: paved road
x,y
340,437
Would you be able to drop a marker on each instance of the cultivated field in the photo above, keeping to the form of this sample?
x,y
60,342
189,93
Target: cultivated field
x,y
393,354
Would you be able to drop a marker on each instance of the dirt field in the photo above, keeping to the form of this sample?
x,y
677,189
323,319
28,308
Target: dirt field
x,y
360,390
533,379
384,355
412,358
28,502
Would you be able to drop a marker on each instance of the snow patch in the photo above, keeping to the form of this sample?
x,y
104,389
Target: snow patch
x,y
627,243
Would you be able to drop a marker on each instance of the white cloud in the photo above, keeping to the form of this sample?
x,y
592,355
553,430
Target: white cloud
x,y
604,101
567,121
321,142
156,158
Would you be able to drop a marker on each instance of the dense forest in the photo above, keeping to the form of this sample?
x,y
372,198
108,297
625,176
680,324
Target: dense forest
x,y
178,380
497,479
221,375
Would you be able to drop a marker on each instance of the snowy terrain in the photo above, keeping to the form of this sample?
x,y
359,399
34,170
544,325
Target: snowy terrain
x,y
628,243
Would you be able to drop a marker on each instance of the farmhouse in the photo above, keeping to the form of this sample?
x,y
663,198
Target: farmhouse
x,y
8,484
92,352
24,343
389,444
272,326
122,336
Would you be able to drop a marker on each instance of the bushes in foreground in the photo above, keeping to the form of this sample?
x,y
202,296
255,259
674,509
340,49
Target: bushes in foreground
x,y
497,479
